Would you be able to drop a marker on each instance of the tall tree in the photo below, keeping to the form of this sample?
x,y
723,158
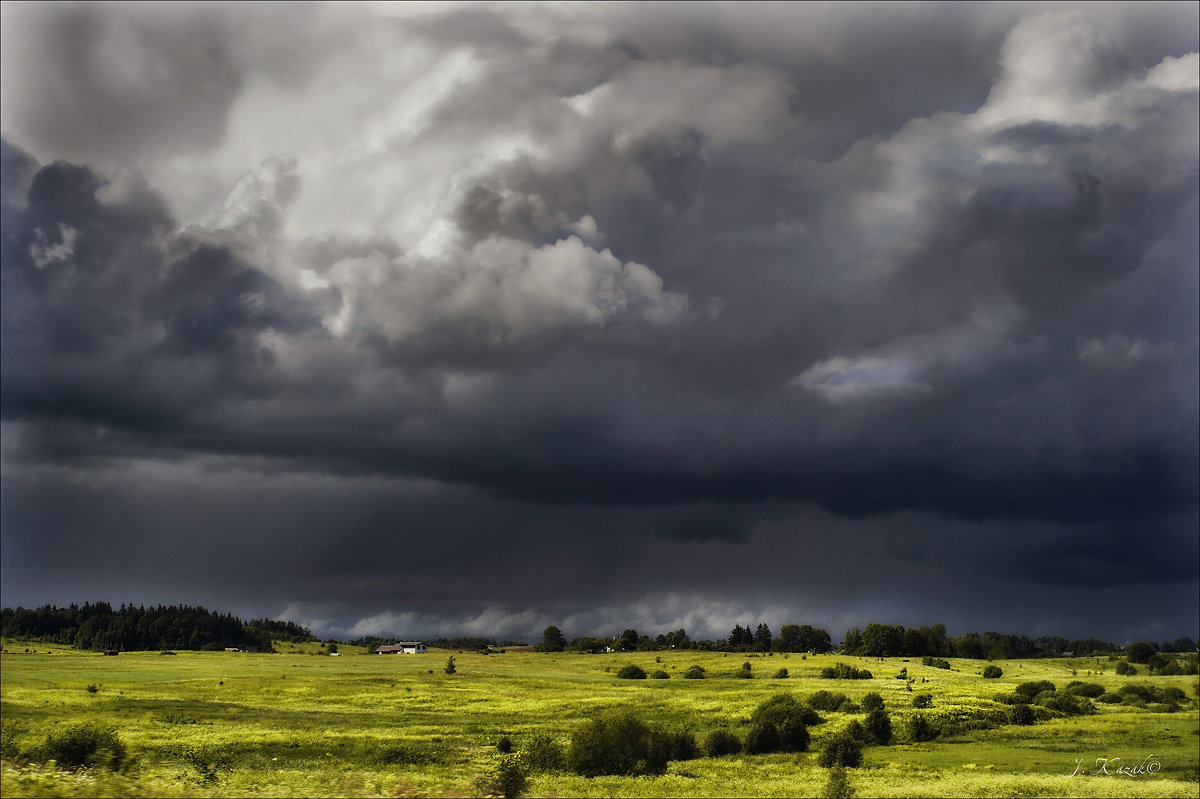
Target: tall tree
x,y
553,640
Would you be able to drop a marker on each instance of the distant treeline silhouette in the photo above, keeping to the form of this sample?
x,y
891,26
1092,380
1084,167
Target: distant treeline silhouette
x,y
97,626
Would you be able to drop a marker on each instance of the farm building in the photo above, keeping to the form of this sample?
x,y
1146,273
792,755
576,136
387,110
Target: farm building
x,y
403,648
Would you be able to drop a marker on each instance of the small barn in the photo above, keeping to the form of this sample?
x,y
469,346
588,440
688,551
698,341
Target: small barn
x,y
403,648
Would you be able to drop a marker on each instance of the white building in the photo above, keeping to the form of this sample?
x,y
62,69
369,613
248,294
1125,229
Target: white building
x,y
403,648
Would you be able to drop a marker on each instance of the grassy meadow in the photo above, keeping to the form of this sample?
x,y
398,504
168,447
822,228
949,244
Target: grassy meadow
x,y
301,723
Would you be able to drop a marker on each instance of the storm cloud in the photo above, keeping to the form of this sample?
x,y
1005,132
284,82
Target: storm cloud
x,y
477,318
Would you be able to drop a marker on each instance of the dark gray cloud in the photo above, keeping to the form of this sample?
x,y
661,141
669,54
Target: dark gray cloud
x,y
655,313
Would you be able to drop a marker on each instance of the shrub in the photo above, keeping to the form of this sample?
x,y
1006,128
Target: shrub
x,y
722,742
827,700
619,744
780,723
1032,688
450,665
923,700
1022,714
844,671
84,744
504,745
782,674
936,663
544,753
1088,689
508,779
921,728
1124,668
659,674
694,673
631,672
837,786
842,749
764,738
1065,703
744,672
878,726
992,672
872,701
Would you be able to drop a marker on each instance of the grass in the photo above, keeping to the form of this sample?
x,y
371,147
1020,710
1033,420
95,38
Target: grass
x,y
300,723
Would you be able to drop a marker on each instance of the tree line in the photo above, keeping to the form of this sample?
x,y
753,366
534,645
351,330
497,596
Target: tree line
x,y
96,626
875,640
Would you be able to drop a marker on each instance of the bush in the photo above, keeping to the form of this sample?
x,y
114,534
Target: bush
x,y
631,672
544,753
780,724
508,779
838,784
878,726
1065,703
504,745
782,674
1089,689
827,700
722,742
1022,715
764,738
872,701
694,673
842,749
844,671
744,672
1032,688
1124,668
936,663
992,672
620,744
923,700
659,674
921,728
84,745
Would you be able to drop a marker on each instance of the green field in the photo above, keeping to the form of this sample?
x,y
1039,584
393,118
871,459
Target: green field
x,y
301,723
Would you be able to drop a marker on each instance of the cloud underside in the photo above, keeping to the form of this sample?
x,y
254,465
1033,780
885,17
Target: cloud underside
x,y
577,265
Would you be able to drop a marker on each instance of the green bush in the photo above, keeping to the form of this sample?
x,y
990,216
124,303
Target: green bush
x,y
878,726
207,760
780,723
659,674
1032,688
621,744
844,671
1124,668
84,745
826,700
1022,715
837,786
1089,689
923,700
921,728
508,778
694,673
993,672
544,753
504,745
631,672
722,742
872,701
782,674
936,663
843,750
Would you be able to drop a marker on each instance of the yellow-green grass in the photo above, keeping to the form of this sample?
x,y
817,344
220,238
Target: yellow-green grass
x,y
301,723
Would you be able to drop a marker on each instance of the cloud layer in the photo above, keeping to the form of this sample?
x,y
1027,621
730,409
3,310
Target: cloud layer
x,y
562,311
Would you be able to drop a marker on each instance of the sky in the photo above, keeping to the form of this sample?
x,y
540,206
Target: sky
x,y
420,319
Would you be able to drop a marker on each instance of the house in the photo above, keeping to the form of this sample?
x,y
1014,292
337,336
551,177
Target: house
x,y
403,648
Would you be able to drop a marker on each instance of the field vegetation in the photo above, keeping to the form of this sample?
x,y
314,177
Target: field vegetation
x,y
302,723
